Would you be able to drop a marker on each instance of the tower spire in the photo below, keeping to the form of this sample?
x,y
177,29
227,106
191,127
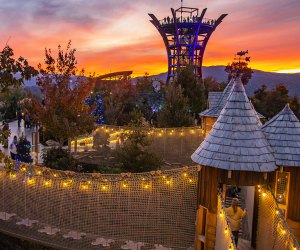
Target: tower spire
x,y
185,34
181,11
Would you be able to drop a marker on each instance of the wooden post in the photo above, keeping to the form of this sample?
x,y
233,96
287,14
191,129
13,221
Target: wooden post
x,y
211,227
75,146
200,228
69,145
35,146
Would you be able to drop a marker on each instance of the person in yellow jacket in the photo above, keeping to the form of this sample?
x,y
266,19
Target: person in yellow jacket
x,y
235,214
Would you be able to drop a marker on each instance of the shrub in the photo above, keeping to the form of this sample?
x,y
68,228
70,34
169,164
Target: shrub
x,y
134,154
59,158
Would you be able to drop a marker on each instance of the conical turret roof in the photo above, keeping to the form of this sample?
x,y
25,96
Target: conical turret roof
x,y
283,134
236,141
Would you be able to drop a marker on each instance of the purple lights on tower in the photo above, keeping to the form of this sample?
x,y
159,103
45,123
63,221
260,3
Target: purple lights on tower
x,y
185,35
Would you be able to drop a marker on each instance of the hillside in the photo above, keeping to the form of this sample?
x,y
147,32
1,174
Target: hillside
x,y
291,81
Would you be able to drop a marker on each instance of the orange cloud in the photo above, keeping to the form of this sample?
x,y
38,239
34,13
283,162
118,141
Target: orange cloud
x,y
117,35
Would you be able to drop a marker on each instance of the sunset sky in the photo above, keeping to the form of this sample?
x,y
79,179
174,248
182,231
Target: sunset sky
x,y
114,35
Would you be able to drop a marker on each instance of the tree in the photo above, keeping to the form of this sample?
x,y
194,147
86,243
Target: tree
x,y
10,101
101,141
62,111
193,89
269,103
211,85
118,102
144,83
58,158
175,112
23,150
13,72
295,105
134,154
239,69
149,96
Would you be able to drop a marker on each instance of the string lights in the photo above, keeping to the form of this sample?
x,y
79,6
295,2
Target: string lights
x,y
35,176
47,183
115,132
30,181
224,223
283,230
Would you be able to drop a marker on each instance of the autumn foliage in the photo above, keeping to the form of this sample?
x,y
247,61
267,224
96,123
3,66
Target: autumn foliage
x,y
62,111
239,69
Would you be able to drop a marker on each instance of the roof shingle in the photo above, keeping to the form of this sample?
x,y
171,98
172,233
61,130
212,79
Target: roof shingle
x,y
283,134
236,141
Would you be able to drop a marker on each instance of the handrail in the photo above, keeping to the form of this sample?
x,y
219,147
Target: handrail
x,y
194,19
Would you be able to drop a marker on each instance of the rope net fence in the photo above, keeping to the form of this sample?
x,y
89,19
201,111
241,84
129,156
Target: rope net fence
x,y
173,145
273,231
224,239
68,210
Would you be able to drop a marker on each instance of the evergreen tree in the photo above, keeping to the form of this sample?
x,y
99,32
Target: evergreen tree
x,y
193,89
270,102
175,112
211,85
134,154
23,150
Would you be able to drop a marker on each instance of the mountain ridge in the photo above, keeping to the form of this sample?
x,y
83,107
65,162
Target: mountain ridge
x,y
259,78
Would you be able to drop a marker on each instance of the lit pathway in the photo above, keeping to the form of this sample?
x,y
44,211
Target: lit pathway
x,y
13,126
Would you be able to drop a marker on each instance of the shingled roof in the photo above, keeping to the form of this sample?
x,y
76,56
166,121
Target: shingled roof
x,y
213,99
216,110
236,141
218,104
283,133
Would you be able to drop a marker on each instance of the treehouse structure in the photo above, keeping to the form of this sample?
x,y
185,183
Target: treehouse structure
x,y
185,34
235,152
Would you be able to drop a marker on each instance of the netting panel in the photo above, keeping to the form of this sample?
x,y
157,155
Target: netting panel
x,y
173,145
153,208
272,230
282,186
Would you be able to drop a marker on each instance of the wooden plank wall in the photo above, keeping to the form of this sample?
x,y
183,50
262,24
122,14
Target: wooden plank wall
x,y
294,194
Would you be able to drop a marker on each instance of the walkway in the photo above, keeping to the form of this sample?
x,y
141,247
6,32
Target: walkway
x,y
13,126
244,245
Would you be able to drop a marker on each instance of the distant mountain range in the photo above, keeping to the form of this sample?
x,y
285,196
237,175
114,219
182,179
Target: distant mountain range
x,y
259,78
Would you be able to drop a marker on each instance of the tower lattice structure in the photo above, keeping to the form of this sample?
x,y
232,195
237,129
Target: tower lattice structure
x,y
185,34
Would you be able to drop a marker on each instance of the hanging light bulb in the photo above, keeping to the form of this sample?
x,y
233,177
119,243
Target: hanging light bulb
x,y
47,183
30,181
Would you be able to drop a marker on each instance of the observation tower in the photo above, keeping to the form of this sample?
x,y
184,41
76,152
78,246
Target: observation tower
x,y
185,35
